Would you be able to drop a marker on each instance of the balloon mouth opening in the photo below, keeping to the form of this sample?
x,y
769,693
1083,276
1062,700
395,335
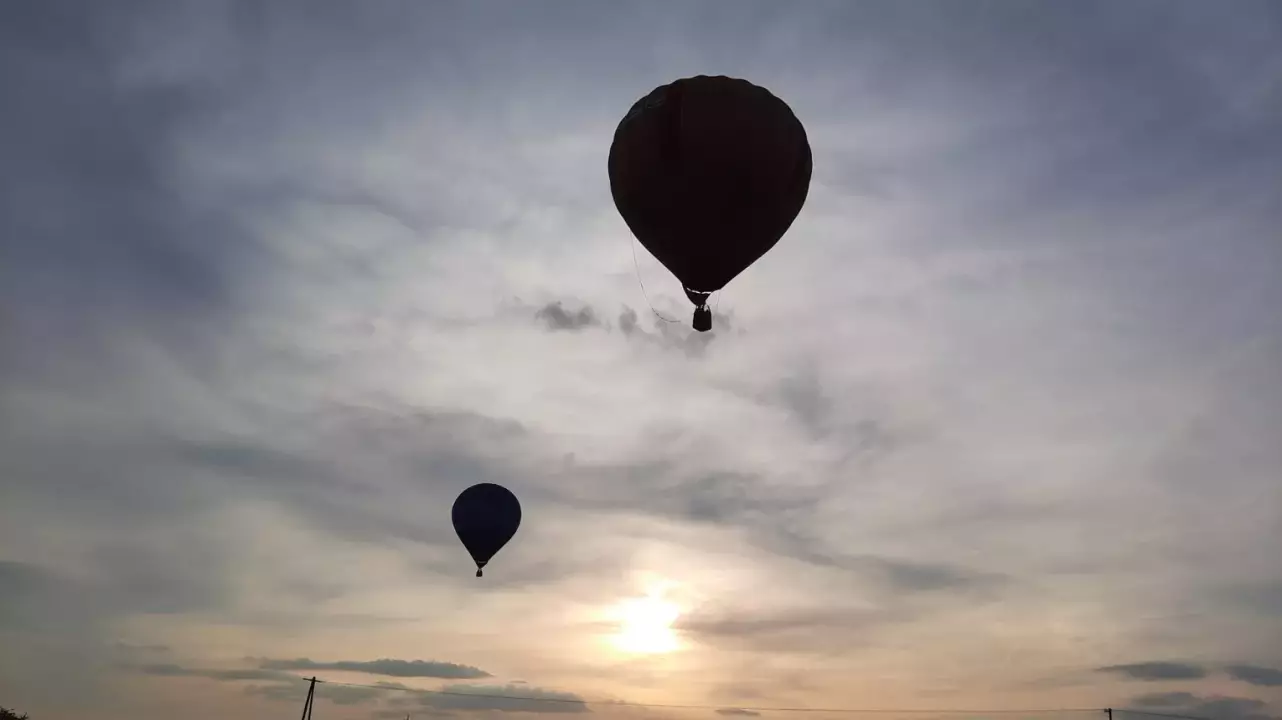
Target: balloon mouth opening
x,y
698,297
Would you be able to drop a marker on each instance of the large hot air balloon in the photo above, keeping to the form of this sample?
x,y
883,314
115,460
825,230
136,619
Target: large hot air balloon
x,y
485,517
709,173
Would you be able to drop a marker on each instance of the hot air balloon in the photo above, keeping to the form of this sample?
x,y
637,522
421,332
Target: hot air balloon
x,y
485,517
709,173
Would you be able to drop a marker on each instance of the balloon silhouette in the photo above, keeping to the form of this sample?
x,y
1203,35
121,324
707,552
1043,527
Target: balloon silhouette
x,y
709,173
485,517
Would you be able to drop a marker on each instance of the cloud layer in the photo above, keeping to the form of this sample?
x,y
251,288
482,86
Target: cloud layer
x,y
277,281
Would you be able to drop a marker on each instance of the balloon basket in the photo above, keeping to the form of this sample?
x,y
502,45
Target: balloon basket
x,y
702,319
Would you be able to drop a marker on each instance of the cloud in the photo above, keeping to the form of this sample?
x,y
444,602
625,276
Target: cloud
x,y
1212,706
296,692
52,622
774,516
34,599
228,675
95,211
1158,671
1164,700
668,330
439,703
254,339
794,630
1262,597
504,698
285,686
130,649
384,666
558,318
1256,675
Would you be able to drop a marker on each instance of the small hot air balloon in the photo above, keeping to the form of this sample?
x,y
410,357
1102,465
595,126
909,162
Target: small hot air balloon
x,y
485,517
709,173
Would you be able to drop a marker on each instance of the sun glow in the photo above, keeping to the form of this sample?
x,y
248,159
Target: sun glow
x,y
645,625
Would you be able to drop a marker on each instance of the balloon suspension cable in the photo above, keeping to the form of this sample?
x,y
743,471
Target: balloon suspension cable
x,y
704,315
636,264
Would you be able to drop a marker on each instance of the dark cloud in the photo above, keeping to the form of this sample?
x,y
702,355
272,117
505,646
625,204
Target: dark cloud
x,y
385,666
738,712
93,220
670,331
1256,675
558,318
628,321
437,703
57,625
504,698
1157,671
1185,703
495,698
35,600
283,686
1164,700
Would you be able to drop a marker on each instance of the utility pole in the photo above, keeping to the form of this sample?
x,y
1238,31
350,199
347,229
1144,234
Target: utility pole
x,y
311,696
1109,712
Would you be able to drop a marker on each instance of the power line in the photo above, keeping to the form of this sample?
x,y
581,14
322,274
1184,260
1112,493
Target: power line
x,y
670,706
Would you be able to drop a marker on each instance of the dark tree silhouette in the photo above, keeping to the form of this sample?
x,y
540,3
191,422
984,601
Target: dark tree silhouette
x,y
7,714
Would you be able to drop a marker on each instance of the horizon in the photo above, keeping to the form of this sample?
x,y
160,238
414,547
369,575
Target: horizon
x,y
993,427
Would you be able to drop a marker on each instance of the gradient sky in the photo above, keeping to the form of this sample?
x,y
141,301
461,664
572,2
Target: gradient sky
x,y
996,425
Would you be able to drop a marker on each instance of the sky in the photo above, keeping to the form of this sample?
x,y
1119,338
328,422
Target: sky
x,y
994,426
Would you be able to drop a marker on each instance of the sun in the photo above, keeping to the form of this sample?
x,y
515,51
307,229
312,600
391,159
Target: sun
x,y
645,625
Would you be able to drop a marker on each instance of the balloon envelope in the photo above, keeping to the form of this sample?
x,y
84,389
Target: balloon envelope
x,y
485,517
709,173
